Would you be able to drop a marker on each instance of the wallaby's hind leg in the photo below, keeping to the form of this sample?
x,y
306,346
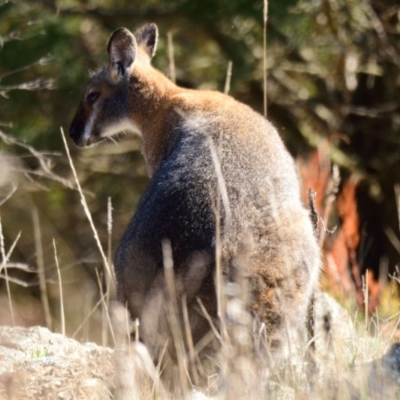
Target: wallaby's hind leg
x,y
163,310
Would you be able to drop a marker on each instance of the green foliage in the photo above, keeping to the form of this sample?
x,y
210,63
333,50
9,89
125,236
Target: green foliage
x,y
40,353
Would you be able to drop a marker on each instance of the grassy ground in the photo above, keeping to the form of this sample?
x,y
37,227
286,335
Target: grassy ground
x,y
342,361
346,364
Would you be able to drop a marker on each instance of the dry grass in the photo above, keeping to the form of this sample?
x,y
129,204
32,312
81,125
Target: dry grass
x,y
37,364
239,366
347,356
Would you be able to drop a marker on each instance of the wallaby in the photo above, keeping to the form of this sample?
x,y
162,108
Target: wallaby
x,y
213,162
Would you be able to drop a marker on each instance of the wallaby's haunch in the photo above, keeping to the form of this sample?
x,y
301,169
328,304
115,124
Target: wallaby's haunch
x,y
212,161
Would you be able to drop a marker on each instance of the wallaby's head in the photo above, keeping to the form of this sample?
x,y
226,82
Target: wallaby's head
x,y
106,104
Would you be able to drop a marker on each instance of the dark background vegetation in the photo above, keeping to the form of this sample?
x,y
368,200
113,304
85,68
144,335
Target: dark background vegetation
x,y
333,93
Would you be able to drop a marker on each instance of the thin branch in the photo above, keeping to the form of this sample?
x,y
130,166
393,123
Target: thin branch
x,y
378,26
228,78
22,267
45,163
171,57
106,314
62,313
397,195
86,208
392,238
36,84
265,14
189,340
172,311
88,316
209,319
394,277
41,269
8,195
5,258
41,61
107,276
18,282
221,184
17,34
313,210
331,192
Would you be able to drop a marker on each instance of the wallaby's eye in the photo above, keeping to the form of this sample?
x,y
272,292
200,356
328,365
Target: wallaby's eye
x,y
92,97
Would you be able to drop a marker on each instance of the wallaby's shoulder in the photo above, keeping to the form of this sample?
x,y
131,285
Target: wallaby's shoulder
x,y
187,102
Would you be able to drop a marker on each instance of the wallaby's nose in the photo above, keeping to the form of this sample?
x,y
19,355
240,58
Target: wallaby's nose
x,y
72,132
75,134
77,127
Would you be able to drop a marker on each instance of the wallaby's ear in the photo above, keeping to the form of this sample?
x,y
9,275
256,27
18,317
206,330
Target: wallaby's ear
x,y
121,53
146,38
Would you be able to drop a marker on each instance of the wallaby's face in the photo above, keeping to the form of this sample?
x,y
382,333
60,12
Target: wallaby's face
x,y
106,106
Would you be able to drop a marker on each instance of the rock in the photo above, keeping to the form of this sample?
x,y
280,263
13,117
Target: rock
x,y
38,364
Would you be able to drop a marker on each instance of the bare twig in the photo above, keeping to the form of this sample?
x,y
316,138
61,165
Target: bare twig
x,y
265,19
44,162
15,280
394,277
105,320
208,317
366,297
221,184
172,312
223,194
42,61
392,237
22,267
109,231
18,34
62,314
106,314
36,84
310,322
137,328
41,269
171,57
189,340
8,195
313,210
331,192
380,30
88,316
86,208
228,78
5,258
397,195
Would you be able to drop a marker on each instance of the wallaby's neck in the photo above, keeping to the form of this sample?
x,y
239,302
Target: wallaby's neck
x,y
152,109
